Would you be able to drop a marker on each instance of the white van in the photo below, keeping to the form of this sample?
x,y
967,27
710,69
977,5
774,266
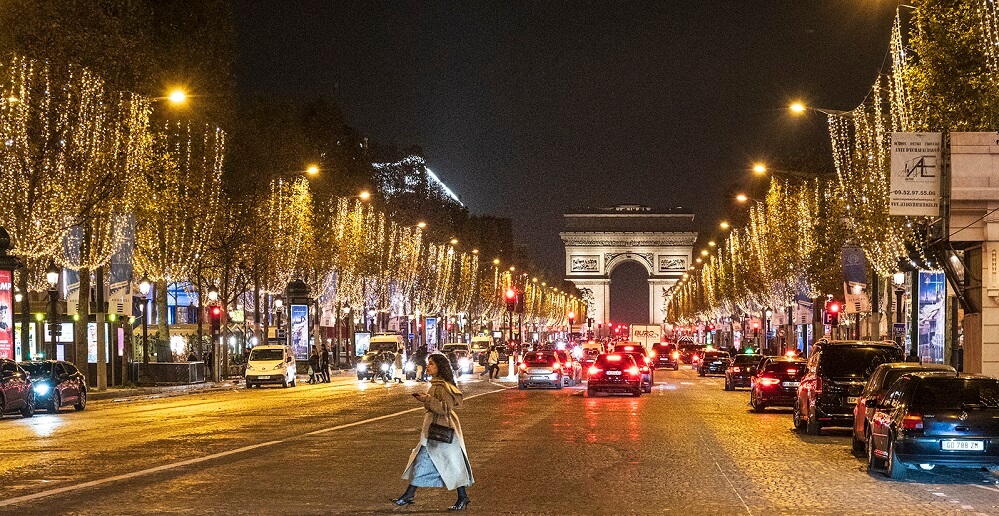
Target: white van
x,y
390,343
480,348
270,364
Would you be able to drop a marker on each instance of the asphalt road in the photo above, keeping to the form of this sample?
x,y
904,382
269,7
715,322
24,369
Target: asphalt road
x,y
689,447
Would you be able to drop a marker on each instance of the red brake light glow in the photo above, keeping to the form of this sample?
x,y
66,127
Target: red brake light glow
x,y
523,366
735,369
792,371
769,381
613,358
594,370
633,370
912,421
676,355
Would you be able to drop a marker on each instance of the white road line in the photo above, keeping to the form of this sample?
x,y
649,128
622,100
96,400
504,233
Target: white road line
x,y
197,460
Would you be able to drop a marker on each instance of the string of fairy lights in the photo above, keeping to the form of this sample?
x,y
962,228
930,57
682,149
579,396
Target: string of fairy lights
x,y
790,245
84,169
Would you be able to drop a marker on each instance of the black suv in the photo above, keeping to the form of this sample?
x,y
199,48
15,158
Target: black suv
x,y
713,362
666,355
776,382
836,376
741,370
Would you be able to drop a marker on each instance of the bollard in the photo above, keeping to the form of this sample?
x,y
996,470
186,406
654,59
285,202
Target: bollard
x,y
513,369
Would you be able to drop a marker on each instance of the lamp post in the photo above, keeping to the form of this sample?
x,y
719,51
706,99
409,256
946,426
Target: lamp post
x,y
144,290
52,276
25,350
278,305
899,280
766,335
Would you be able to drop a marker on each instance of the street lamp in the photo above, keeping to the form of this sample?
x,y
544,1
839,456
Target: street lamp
x,y
278,305
312,170
144,290
899,280
52,276
213,293
177,96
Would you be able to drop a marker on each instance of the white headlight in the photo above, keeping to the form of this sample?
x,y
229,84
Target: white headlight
x,y
362,367
463,362
41,389
410,367
384,367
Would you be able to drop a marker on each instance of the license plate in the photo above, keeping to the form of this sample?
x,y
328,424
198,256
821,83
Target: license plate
x,y
852,400
613,373
715,363
963,445
791,384
263,377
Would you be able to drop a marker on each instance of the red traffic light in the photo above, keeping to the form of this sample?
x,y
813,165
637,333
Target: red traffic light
x,y
572,316
834,307
510,294
216,311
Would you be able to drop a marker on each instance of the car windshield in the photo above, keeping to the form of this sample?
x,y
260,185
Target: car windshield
x,y
785,368
747,359
591,352
539,359
266,355
855,361
953,393
40,369
615,361
715,355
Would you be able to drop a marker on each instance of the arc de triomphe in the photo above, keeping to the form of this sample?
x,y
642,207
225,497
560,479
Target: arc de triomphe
x,y
598,240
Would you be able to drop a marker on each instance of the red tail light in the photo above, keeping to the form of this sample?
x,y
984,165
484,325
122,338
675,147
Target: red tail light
x,y
614,358
652,353
769,381
912,421
676,355
645,369
633,370
523,366
792,372
735,369
594,370
556,365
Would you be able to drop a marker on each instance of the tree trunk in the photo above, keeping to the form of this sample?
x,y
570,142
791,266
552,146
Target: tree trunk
x,y
102,355
22,284
162,326
80,333
256,307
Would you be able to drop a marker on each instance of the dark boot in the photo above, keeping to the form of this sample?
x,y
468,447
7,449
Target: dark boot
x,y
407,497
462,501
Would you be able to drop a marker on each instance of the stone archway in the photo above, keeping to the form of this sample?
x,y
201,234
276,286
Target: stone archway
x,y
596,241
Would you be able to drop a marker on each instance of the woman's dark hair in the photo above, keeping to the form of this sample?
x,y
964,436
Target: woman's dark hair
x,y
444,371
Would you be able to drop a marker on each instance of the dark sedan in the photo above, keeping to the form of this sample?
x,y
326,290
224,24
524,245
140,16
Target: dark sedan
x,y
614,372
15,389
713,362
881,380
776,383
741,370
929,420
57,384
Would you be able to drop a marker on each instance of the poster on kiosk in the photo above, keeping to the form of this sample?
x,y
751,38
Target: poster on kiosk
x,y
6,315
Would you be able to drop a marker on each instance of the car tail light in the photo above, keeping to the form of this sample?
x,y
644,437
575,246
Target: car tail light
x,y
735,369
695,358
633,370
912,421
769,381
645,369
613,358
556,365
792,372
523,366
676,355
652,353
594,370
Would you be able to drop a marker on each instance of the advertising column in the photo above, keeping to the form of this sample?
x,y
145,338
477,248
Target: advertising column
x,y
6,314
299,330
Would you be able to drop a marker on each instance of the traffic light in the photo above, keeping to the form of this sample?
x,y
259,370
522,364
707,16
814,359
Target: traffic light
x,y
520,303
215,317
833,309
572,317
511,299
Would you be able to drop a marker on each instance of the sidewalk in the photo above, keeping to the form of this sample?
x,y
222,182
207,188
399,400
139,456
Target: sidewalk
x,y
114,393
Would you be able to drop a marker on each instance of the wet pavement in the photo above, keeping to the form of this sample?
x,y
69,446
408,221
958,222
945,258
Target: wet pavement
x,y
340,448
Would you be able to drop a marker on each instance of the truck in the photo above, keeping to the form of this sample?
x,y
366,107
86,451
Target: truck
x,y
646,334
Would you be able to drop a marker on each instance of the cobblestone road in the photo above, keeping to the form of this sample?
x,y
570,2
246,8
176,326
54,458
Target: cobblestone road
x,y
689,447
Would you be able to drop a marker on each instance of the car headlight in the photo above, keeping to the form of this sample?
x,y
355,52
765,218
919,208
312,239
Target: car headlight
x,y
362,367
42,389
384,367
463,362
410,367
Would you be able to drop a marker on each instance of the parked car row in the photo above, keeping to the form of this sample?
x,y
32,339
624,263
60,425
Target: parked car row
x,y
48,384
903,415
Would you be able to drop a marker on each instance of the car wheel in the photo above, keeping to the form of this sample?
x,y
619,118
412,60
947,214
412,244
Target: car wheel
x,y
637,393
648,389
796,418
284,383
520,385
55,403
755,402
249,385
81,400
858,445
676,367
700,373
294,382
558,385
812,426
896,469
29,407
873,462
590,392
360,377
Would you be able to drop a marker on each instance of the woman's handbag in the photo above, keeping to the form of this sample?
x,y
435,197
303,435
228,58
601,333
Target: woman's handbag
x,y
440,433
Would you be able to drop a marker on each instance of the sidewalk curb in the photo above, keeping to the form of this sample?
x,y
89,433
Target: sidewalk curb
x,y
167,390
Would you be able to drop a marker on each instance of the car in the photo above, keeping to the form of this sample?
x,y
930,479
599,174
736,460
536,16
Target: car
x,y
775,383
57,384
644,367
463,363
690,351
376,364
589,357
741,370
270,364
837,373
540,369
614,372
16,392
480,348
572,370
881,380
666,355
713,362
930,420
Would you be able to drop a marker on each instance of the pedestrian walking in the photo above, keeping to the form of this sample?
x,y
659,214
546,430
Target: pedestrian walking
x,y
493,362
324,364
313,366
440,459
398,371
420,357
210,363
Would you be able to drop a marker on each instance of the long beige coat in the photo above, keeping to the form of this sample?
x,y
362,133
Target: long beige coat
x,y
451,459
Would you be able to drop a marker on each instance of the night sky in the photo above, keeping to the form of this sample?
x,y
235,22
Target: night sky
x,y
529,109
